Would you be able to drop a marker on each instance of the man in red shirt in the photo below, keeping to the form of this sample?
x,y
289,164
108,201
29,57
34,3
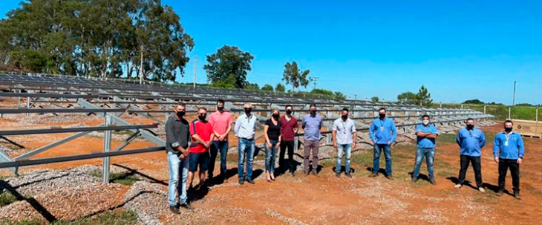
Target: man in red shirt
x,y
288,130
202,133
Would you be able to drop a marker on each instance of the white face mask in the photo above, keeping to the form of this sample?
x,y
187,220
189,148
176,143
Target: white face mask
x,y
425,122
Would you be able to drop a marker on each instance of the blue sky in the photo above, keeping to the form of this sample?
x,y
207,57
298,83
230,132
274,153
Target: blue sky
x,y
458,49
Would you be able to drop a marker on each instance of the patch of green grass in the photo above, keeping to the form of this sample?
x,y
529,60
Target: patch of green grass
x,y
7,198
119,178
364,158
446,173
120,132
108,218
447,138
489,197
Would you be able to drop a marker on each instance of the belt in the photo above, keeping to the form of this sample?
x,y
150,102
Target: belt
x,y
251,139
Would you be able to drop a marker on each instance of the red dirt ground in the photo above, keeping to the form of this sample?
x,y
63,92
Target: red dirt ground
x,y
327,199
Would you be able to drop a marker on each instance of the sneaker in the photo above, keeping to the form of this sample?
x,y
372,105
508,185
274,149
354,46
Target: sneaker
x,y
414,180
500,192
516,195
338,174
389,177
433,182
174,209
457,186
373,175
349,175
185,206
292,174
250,181
241,181
307,173
481,189
314,173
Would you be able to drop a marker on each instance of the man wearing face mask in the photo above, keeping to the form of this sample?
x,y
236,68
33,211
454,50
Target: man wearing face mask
x,y
311,124
344,140
508,151
288,130
221,122
245,128
383,134
426,135
177,143
471,140
202,133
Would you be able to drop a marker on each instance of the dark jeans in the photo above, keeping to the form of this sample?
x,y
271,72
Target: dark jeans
x,y
282,165
504,164
378,148
476,165
217,146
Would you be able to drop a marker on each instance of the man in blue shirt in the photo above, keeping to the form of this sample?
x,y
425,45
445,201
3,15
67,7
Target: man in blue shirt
x,y
383,134
311,124
426,134
508,151
471,140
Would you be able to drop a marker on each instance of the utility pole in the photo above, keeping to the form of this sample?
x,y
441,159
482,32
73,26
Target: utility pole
x,y
195,69
315,80
141,66
514,100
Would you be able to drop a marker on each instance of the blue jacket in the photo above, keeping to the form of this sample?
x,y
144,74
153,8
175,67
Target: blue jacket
x,y
382,132
426,142
513,150
471,142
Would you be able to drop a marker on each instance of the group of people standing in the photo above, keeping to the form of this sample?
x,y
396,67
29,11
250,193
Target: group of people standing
x,y
197,144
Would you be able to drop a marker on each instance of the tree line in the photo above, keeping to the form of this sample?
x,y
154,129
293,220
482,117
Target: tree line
x,y
128,39
95,38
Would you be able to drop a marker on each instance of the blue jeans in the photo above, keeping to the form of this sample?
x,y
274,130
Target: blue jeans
x,y
376,160
217,146
177,167
248,147
347,150
429,154
271,155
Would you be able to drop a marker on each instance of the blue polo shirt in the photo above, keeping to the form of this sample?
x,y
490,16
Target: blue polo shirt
x,y
383,131
426,142
508,146
471,141
311,126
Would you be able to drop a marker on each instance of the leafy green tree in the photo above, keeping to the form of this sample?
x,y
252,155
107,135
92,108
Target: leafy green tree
x,y
229,61
267,87
407,98
293,75
252,86
374,99
318,91
423,97
280,88
96,38
226,83
339,96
